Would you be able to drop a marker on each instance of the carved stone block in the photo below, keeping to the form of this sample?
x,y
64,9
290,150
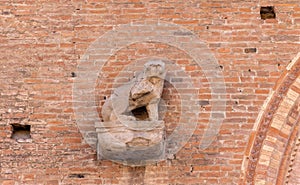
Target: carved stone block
x,y
131,132
133,143
143,91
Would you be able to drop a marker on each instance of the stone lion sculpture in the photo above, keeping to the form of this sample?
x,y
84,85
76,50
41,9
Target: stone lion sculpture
x,y
143,91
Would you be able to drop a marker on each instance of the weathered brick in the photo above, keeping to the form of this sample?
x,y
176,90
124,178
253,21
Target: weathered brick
x,y
42,43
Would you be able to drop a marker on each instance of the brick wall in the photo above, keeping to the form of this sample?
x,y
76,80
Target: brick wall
x,y
42,44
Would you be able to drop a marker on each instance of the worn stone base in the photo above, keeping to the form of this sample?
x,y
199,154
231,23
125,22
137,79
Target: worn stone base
x,y
133,143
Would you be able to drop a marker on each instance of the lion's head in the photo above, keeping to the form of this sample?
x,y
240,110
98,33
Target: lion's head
x,y
154,68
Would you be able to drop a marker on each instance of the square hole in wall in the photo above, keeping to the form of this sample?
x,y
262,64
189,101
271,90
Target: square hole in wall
x,y
21,133
267,12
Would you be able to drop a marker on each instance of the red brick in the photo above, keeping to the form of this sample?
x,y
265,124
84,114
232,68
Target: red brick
x,y
42,44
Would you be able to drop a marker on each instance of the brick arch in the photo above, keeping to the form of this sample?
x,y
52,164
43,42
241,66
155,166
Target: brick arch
x,y
273,138
291,172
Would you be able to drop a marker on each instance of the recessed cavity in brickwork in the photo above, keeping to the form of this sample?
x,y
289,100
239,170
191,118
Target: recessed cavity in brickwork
x,y
21,133
250,50
267,12
203,102
77,175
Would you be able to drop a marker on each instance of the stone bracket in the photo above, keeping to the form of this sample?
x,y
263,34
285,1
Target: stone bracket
x,y
133,143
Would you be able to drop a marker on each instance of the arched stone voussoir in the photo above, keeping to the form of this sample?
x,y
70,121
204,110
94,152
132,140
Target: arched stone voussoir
x,y
276,129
